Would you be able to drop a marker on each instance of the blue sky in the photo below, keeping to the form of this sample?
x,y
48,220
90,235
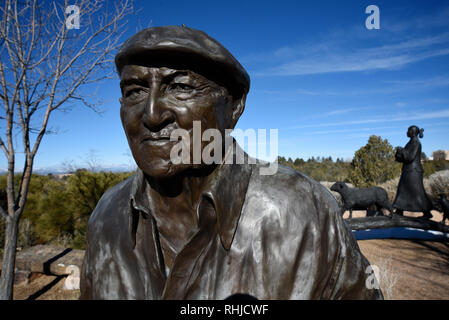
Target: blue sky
x,y
317,75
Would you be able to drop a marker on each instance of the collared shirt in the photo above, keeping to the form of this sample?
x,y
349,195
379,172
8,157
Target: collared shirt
x,y
270,236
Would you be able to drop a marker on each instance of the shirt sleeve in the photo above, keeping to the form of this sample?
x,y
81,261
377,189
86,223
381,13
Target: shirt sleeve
x,y
351,277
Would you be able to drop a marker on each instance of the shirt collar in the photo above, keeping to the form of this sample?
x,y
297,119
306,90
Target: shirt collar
x,y
226,187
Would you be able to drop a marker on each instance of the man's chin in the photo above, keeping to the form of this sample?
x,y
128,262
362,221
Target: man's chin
x,y
162,169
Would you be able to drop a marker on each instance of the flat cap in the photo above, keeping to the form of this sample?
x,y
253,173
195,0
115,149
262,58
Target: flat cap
x,y
184,48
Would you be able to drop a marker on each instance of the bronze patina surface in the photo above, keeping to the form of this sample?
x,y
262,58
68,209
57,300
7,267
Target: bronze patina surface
x,y
208,231
411,195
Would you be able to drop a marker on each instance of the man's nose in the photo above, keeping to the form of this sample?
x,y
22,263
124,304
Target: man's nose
x,y
157,115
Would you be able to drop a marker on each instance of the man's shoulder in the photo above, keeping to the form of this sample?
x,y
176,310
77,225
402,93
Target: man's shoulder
x,y
112,201
289,204
288,185
290,212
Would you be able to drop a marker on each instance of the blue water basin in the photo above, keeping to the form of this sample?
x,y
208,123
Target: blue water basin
x,y
400,233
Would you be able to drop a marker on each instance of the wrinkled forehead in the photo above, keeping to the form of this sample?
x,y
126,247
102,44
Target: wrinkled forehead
x,y
139,65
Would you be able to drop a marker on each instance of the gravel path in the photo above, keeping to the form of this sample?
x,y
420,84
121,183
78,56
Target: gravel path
x,y
410,269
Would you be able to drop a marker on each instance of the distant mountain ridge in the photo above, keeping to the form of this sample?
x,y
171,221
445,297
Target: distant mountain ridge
x,y
59,170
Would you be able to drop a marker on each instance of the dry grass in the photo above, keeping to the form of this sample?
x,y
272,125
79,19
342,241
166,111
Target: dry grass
x,y
434,185
438,183
391,186
387,276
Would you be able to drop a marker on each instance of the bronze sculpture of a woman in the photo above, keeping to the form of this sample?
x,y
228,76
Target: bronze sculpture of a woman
x,y
411,195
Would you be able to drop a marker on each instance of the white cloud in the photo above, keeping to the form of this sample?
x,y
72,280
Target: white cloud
x,y
360,60
386,118
440,81
370,129
352,51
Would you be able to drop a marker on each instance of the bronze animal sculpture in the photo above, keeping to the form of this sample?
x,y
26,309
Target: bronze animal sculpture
x,y
186,230
442,204
362,198
411,195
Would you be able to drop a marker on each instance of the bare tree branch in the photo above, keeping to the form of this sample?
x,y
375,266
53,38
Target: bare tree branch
x,y
2,145
43,66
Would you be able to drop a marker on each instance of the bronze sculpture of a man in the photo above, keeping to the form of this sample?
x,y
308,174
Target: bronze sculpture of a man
x,y
208,231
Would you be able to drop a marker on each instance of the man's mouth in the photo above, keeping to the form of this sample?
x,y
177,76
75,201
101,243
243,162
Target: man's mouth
x,y
155,137
160,136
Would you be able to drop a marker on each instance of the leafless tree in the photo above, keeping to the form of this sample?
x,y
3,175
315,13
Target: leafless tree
x,y
44,62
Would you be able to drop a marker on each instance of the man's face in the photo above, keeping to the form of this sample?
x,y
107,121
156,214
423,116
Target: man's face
x,y
156,101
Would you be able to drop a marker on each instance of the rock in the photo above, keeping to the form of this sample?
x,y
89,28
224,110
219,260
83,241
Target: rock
x,y
48,259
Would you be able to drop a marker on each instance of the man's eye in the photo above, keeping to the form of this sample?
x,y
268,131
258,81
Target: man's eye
x,y
181,87
134,92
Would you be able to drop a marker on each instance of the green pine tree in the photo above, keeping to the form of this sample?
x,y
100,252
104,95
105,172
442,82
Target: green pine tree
x,y
374,163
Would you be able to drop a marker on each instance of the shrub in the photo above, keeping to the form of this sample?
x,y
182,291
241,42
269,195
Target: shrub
x,y
438,183
57,210
374,163
391,187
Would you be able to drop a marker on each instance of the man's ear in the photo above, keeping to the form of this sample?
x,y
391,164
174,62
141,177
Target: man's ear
x,y
237,109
